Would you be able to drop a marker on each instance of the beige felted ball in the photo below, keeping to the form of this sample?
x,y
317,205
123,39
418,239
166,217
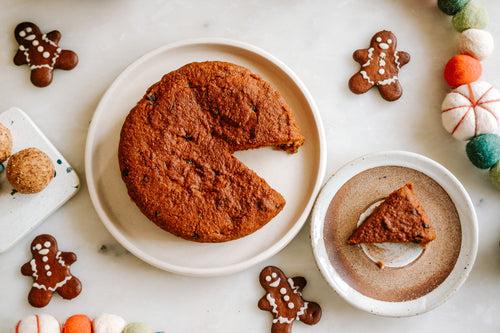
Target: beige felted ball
x,y
477,43
5,143
30,171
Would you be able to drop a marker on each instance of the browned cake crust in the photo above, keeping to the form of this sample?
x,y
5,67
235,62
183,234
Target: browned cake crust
x,y
176,145
399,219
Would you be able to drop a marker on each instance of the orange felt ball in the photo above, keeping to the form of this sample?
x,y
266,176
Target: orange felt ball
x,y
462,69
78,324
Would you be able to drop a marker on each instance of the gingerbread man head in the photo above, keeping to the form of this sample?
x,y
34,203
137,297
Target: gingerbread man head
x,y
43,246
25,33
384,41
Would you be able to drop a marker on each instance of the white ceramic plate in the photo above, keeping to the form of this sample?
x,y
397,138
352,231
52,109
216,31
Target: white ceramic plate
x,y
20,213
468,221
298,177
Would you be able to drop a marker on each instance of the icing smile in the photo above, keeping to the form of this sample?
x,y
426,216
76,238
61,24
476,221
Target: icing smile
x,y
383,46
275,283
43,252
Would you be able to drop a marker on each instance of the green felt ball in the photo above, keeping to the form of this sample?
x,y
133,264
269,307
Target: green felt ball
x,y
137,328
484,150
473,15
451,7
495,175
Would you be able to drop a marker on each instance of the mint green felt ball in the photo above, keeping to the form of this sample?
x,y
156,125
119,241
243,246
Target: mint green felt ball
x,y
495,175
473,15
484,150
137,328
451,7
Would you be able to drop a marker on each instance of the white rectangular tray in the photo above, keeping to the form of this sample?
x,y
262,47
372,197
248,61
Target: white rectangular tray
x,y
20,213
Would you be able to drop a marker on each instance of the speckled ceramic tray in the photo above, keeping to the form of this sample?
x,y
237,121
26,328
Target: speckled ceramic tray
x,y
20,213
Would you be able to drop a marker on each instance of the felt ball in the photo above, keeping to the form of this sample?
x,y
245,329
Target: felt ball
x,y
5,143
451,7
137,328
462,69
30,170
471,110
484,150
38,324
109,323
477,43
78,324
473,15
495,175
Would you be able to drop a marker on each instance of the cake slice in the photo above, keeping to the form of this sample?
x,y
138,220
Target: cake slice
x,y
399,219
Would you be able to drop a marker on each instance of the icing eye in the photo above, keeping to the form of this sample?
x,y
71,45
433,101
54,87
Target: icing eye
x,y
22,33
28,29
47,244
274,275
379,39
389,41
268,278
33,248
38,246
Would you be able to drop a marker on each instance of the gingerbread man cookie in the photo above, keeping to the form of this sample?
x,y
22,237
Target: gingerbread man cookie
x,y
380,66
50,271
41,52
284,300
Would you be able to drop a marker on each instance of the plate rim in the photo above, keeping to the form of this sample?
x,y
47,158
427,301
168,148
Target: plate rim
x,y
366,303
226,269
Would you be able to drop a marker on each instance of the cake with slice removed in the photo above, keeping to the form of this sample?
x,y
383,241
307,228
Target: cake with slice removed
x,y
176,147
400,218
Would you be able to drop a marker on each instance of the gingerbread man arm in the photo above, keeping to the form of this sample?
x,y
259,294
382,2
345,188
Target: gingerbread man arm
x,y
68,257
299,282
26,269
264,304
404,58
54,36
20,58
361,56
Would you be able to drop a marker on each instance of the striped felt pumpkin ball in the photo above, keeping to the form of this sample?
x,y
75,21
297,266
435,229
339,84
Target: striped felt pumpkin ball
x,y
471,109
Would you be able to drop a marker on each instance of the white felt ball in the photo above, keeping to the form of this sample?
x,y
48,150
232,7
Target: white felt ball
x,y
477,43
471,109
108,323
38,324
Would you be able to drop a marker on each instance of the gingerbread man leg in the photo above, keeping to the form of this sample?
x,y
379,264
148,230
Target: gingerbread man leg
x,y
39,297
358,84
41,77
281,328
391,92
312,315
67,60
70,289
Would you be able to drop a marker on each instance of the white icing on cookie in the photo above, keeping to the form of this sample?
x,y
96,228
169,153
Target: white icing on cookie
x,y
33,269
59,259
366,77
370,57
58,285
283,291
45,259
275,283
291,305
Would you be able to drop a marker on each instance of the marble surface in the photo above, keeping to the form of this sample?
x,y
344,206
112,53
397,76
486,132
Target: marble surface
x,y
316,39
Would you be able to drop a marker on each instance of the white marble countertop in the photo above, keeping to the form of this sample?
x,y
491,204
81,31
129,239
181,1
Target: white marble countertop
x,y
316,39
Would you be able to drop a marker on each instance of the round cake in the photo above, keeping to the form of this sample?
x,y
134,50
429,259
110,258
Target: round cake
x,y
176,145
